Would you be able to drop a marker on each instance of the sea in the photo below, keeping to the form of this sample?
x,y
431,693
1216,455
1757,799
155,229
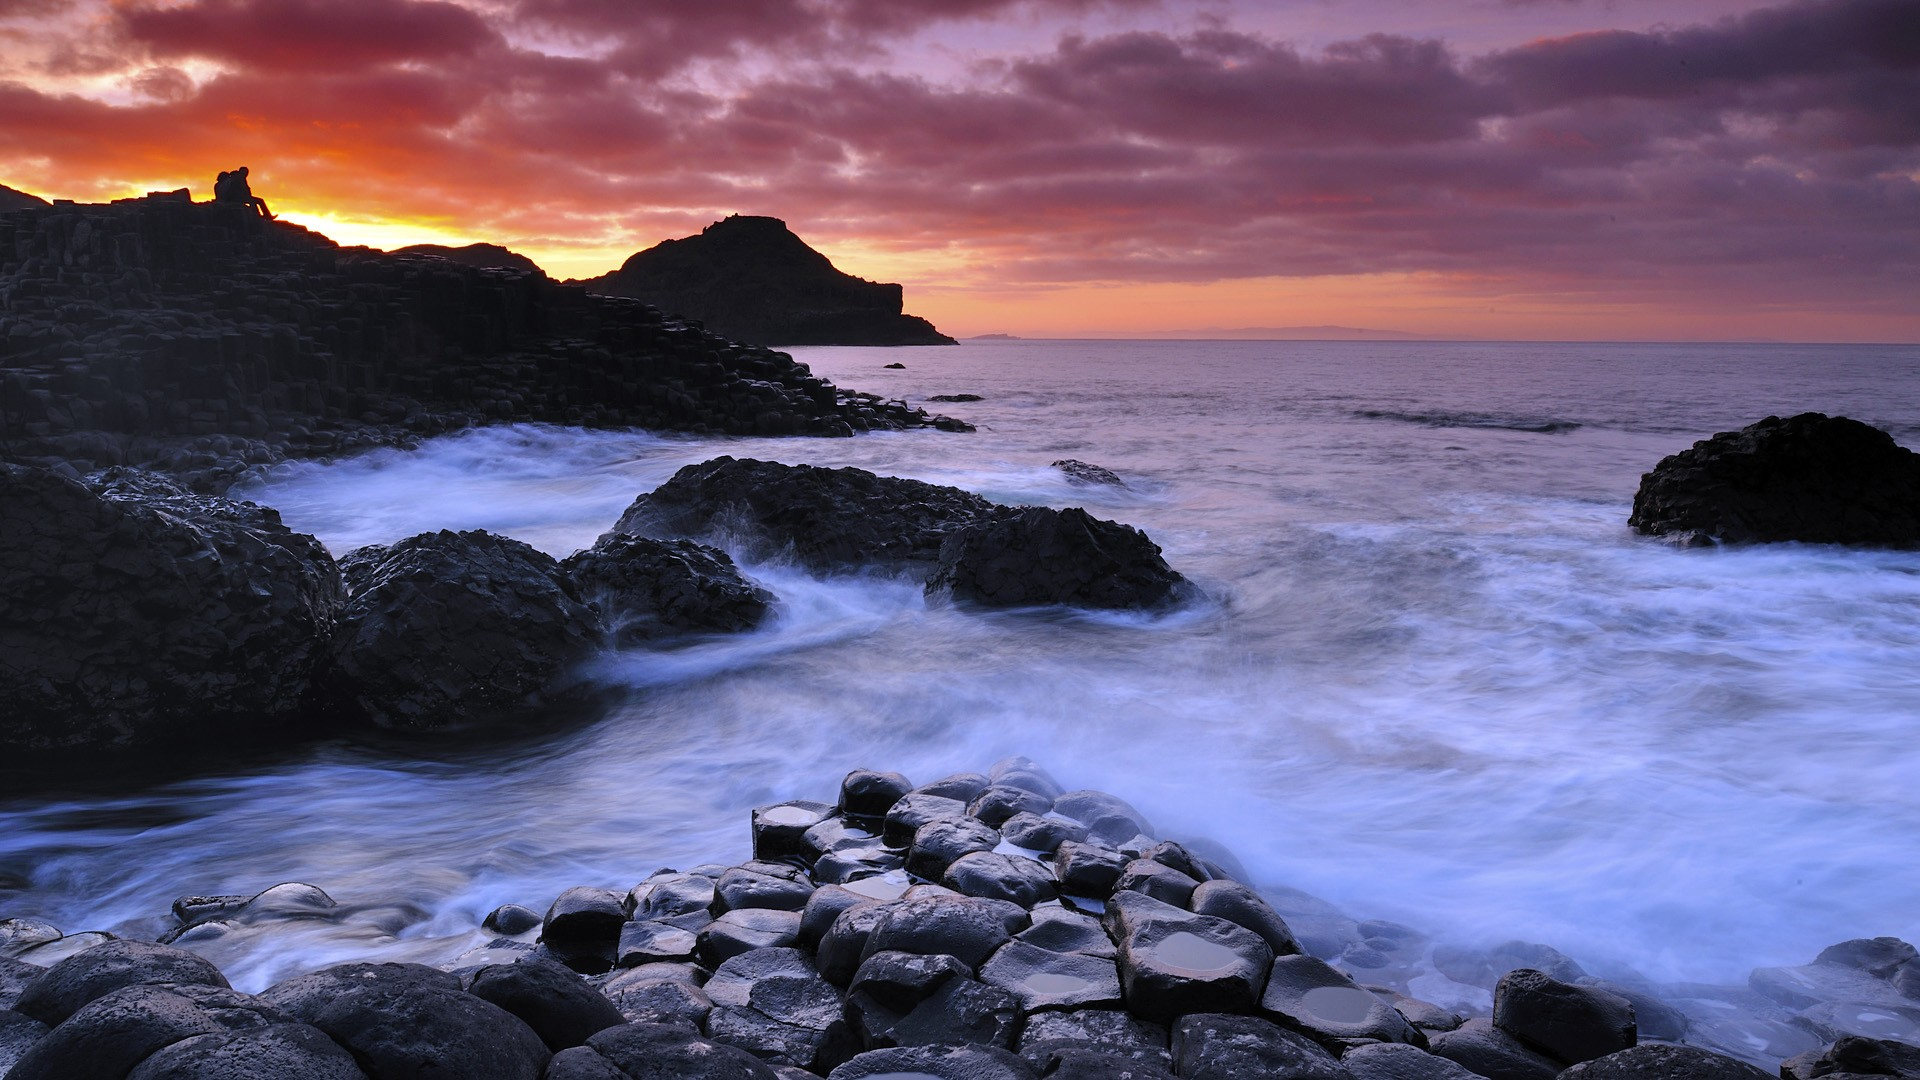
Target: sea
x,y
1433,678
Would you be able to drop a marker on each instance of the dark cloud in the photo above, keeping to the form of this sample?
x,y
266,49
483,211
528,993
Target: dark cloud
x,y
302,36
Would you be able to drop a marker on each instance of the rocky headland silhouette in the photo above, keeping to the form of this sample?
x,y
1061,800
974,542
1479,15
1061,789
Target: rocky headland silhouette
x,y
751,279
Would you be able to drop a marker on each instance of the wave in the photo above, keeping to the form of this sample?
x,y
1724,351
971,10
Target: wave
x,y
1493,421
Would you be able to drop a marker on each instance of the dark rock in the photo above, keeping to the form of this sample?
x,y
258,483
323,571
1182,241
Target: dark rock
x,y
1492,1053
1096,807
11,200
898,981
1312,998
556,1003
15,975
964,927
1045,834
476,255
1088,869
1000,802
1080,472
961,787
741,889
664,993
405,1020
1043,980
1108,1031
1173,962
895,365
825,519
823,907
912,811
1057,928
145,615
511,920
955,398
651,589
1655,1061
750,279
1654,1018
1400,1061
779,831
1159,881
583,927
1172,854
68,985
736,932
1811,478
445,630
1854,1055
1071,1063
866,795
582,1063
941,842
773,1004
670,895
843,948
937,1062
17,1035
1038,555
1025,773
959,1011
1566,1022
1485,968
1215,1046
1879,957
1000,877
665,1052
840,833
112,1034
1241,905
279,1050
654,942
20,935
1421,1014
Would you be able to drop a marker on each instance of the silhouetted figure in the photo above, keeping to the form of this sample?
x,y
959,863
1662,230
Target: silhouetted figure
x,y
231,187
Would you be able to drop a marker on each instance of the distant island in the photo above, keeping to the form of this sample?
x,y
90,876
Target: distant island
x,y
751,279
995,337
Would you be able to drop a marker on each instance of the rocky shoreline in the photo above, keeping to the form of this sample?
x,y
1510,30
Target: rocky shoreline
x,y
985,926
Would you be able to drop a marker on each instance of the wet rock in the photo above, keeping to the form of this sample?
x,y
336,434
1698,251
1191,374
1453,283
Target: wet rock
x,y
1312,998
1243,906
844,946
1108,1031
740,889
665,1052
154,617
582,1063
1176,855
939,843
825,519
1097,808
1654,1018
1161,882
556,1003
652,589
955,398
898,981
736,932
1485,968
964,927
961,787
866,795
1002,801
1879,957
1057,928
1080,472
405,1020
840,833
914,810
1215,1046
670,895
1025,773
1492,1053
665,993
1566,1022
1854,1055
653,943
1421,1014
583,927
958,1011
20,935
1400,1061
279,1050
1811,478
1038,555
1044,834
1043,980
446,630
1000,877
17,1035
15,975
1173,962
937,1063
511,920
68,985
773,1004
823,907
1089,870
779,831
1655,1061
113,1034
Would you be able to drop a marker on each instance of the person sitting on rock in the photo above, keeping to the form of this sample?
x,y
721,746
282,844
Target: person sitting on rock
x,y
231,187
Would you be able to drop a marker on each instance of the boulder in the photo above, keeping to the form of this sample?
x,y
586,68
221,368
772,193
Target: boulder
x,y
1811,478
113,1034
1490,1052
1073,1063
937,1063
1214,1046
779,831
669,895
511,920
736,932
1042,834
1107,1031
277,1050
1061,929
1088,475
958,1011
583,927
741,888
1037,555
1311,997
651,942
943,841
17,1035
1855,1055
995,876
664,993
961,787
1243,906
1173,962
917,808
1568,1023
70,984
1656,1061
652,589
447,630
1088,869
142,615
999,802
1159,881
556,1003
666,1052
1043,980
964,927
867,795
823,519
1400,1061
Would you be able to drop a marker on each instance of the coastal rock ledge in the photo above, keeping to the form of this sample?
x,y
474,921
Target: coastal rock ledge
x,y
1813,478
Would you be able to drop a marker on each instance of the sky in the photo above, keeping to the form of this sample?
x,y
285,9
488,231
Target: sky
x,y
1550,169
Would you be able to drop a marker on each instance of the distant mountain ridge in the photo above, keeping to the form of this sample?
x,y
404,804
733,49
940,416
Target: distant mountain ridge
x,y
18,200
1295,333
751,279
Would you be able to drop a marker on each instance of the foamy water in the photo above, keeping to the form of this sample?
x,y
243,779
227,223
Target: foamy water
x,y
1436,679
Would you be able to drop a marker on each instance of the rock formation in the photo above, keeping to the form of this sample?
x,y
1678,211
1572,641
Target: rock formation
x,y
1811,478
750,279
18,200
203,339
482,256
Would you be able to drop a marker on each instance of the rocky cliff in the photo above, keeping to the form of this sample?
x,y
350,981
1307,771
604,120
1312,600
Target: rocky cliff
x,y
200,336
480,255
750,279
18,200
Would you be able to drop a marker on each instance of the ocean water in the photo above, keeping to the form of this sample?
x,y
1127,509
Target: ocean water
x,y
1435,679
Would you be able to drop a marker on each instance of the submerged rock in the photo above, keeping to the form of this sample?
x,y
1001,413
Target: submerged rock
x,y
1039,555
139,614
1081,472
1811,478
648,589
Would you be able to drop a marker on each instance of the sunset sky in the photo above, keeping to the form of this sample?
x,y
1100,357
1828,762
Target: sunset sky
x,y
1500,168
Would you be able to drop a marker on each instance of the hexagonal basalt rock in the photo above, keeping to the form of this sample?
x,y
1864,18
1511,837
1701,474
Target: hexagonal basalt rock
x,y
1173,962
742,931
779,831
1568,1023
774,1004
1087,869
1309,996
938,843
1043,980
935,1063
61,991
1212,1046
1000,877
1108,1031
1057,928
1241,905
915,809
964,927
670,895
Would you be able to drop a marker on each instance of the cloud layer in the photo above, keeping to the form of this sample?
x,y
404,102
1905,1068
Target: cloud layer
x,y
1767,159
